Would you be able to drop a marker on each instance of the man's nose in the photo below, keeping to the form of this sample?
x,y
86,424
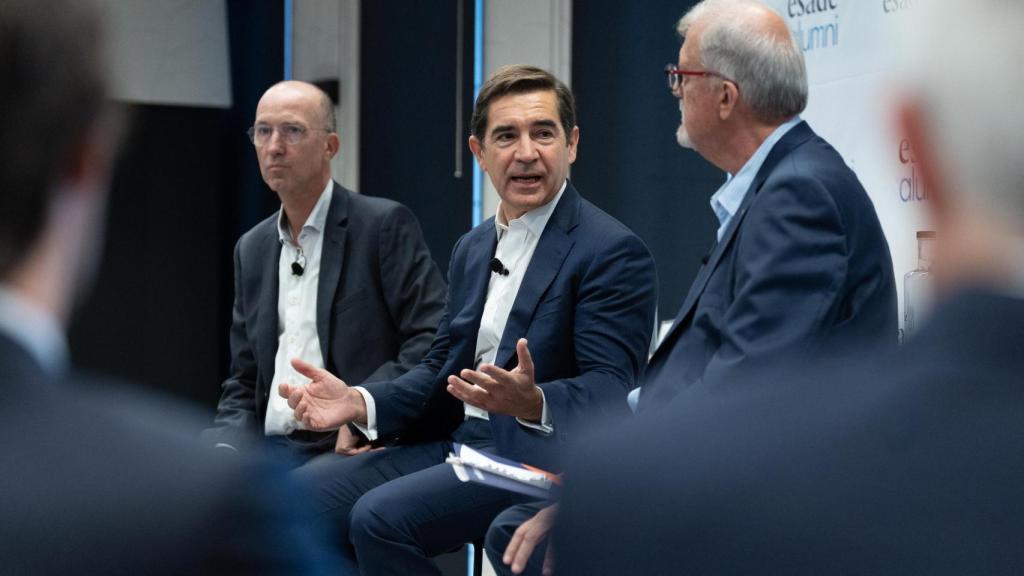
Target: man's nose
x,y
526,150
275,144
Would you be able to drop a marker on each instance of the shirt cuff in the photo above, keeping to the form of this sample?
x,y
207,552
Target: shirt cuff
x,y
370,430
546,425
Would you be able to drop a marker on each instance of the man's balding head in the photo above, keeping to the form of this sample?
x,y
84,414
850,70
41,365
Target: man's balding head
x,y
295,165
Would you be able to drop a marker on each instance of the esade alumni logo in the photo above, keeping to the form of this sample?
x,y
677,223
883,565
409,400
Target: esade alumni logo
x,y
817,23
891,6
798,8
911,187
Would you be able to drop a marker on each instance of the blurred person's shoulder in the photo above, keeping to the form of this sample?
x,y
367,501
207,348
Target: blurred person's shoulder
x,y
111,478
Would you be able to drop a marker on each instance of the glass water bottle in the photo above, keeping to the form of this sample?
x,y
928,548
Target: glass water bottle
x,y
918,288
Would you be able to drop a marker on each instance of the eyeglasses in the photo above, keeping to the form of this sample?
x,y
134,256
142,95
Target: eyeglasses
x,y
675,76
260,134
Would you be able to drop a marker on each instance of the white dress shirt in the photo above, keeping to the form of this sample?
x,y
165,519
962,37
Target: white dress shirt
x,y
517,241
296,311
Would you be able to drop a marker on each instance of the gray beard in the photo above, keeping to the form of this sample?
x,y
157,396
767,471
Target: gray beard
x,y
682,136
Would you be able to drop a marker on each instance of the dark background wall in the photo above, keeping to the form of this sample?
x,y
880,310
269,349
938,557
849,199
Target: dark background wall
x,y
629,162
407,115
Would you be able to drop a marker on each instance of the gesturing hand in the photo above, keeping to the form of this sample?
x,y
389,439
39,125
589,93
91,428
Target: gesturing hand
x,y
526,538
496,390
326,402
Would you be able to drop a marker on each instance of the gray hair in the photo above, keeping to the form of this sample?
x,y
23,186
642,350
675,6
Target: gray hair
x,y
972,100
769,70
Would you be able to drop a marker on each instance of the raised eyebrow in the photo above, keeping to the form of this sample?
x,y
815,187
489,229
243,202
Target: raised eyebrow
x,y
545,124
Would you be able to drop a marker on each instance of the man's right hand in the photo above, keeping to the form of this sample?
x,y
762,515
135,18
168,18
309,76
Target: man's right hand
x,y
326,402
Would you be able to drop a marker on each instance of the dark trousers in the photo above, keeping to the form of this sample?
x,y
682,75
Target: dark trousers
x,y
500,534
298,448
396,508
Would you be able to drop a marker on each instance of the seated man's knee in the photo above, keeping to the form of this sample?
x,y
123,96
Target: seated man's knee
x,y
373,517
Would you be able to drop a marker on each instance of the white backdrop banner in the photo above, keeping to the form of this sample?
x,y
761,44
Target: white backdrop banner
x,y
852,53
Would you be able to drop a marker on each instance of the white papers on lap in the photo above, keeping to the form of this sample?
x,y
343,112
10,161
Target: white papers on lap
x,y
474,466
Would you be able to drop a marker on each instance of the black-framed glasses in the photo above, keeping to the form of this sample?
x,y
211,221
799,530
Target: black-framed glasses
x,y
674,76
260,134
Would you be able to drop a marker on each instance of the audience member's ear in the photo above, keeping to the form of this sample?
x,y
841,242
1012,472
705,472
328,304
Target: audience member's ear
x,y
88,165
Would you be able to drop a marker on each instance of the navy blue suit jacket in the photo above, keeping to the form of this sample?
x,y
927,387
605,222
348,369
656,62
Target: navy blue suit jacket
x,y
586,305
908,462
803,263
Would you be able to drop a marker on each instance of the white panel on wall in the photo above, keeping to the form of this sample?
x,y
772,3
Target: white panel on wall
x,y
169,52
326,46
853,59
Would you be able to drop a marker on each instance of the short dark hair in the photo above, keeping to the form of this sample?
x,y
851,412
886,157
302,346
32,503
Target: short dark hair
x,y
51,92
519,79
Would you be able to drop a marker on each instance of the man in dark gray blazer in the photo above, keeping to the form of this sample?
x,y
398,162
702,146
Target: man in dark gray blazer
x,y
334,279
897,463
99,482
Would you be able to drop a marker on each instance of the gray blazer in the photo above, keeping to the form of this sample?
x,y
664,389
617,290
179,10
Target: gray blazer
x,y
379,300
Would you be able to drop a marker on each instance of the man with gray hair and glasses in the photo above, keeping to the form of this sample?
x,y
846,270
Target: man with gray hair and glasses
x,y
799,260
899,463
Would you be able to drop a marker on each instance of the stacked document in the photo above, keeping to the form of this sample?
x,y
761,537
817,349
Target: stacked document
x,y
475,466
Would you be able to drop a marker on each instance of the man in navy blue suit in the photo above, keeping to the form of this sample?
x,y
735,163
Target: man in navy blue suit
x,y
549,317
799,260
898,463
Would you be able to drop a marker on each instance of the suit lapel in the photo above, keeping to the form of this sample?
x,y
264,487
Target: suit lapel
x,y
332,255
270,247
552,248
796,136
478,274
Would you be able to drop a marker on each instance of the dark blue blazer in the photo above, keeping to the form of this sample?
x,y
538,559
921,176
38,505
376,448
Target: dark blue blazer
x,y
908,462
586,305
803,263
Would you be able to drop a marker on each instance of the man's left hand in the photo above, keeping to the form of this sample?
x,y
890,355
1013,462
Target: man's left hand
x,y
527,537
496,390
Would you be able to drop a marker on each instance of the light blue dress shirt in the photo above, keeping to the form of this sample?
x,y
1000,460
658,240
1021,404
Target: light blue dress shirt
x,y
727,199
